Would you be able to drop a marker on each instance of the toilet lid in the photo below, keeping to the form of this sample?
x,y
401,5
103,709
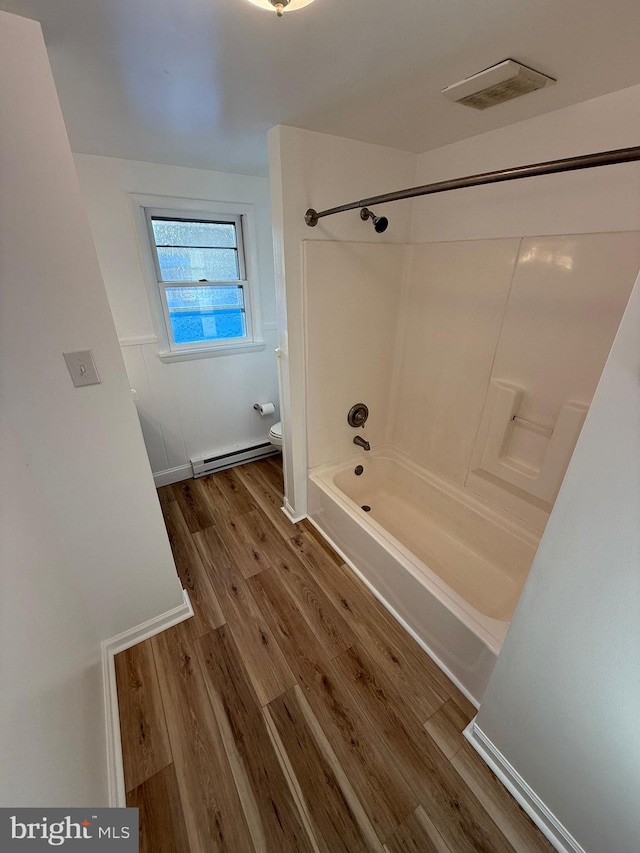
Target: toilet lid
x,y
276,430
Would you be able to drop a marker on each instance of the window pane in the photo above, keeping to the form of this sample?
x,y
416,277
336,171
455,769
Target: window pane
x,y
177,232
185,264
204,298
203,314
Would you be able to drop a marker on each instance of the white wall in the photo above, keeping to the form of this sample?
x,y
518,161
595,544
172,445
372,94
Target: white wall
x,y
316,170
593,200
195,407
562,703
85,554
51,725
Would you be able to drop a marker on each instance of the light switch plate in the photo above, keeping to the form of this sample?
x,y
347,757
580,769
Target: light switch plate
x,y
81,367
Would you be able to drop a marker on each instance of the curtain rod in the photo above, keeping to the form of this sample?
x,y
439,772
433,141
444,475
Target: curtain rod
x,y
569,164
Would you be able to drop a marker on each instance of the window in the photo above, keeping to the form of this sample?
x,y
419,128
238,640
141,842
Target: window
x,y
200,269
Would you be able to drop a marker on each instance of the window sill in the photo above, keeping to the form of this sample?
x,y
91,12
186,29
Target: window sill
x,y
168,356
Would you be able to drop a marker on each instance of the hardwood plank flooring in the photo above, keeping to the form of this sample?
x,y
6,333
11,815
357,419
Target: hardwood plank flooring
x,y
423,684
196,509
416,834
145,740
447,800
234,491
247,538
293,713
162,826
211,805
445,727
295,636
497,802
165,495
291,589
263,658
273,818
331,801
266,496
208,613
374,771
225,495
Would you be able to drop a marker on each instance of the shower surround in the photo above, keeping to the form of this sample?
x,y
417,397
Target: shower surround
x,y
478,361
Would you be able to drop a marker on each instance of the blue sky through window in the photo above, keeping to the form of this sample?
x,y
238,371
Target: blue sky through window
x,y
203,314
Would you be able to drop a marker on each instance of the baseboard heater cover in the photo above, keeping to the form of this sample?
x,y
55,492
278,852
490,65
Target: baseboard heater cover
x,y
210,464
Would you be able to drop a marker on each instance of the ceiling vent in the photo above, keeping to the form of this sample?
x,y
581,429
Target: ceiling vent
x,y
501,82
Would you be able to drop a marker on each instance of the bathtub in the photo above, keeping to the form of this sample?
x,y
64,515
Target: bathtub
x,y
447,564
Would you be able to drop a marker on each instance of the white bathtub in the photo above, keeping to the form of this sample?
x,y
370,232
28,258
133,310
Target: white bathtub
x,y
447,564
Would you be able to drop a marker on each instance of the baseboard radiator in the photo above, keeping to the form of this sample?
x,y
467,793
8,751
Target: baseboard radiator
x,y
210,464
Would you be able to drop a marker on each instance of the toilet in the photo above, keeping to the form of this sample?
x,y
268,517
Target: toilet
x,y
275,434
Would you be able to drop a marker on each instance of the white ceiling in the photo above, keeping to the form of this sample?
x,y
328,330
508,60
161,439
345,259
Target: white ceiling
x,y
199,82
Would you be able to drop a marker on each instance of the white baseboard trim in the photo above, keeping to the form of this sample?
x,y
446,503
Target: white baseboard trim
x,y
383,601
542,816
291,514
173,475
110,648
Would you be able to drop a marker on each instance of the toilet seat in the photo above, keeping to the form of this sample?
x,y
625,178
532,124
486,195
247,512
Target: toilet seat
x,y
275,434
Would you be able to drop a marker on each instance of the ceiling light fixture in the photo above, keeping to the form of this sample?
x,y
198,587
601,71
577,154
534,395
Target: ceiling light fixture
x,y
281,5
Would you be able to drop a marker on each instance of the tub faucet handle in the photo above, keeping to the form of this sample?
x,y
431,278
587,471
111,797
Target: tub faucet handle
x,y
358,415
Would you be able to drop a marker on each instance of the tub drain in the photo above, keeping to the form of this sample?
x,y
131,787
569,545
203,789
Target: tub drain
x,y
366,507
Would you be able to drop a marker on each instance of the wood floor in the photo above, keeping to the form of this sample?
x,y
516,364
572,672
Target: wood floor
x,y
292,713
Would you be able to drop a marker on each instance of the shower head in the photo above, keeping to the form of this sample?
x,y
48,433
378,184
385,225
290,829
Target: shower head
x,y
380,223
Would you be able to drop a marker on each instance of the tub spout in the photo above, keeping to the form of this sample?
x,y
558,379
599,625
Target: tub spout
x,y
361,442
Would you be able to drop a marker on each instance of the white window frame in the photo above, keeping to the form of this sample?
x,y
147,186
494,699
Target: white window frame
x,y
242,215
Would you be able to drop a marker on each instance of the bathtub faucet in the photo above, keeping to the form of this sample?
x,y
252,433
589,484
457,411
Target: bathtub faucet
x,y
361,442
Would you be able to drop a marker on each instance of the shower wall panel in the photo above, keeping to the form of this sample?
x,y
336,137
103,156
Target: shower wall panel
x,y
353,293
456,299
535,317
566,302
